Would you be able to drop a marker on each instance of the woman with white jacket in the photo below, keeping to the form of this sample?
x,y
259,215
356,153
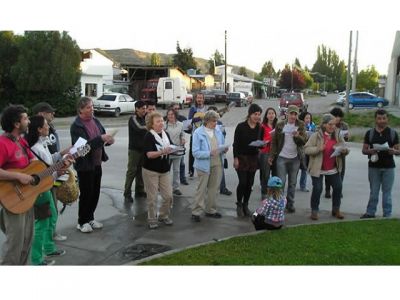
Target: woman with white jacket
x,y
208,151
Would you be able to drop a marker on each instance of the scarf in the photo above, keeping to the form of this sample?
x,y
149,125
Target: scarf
x,y
161,143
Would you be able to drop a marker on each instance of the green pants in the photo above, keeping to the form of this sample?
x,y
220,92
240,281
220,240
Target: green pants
x,y
43,243
134,172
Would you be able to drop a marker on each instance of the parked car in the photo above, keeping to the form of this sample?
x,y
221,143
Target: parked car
x,y
292,99
237,97
114,103
249,97
220,95
324,93
209,97
341,100
189,100
364,99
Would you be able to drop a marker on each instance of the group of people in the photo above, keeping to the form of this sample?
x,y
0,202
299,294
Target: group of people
x,y
278,148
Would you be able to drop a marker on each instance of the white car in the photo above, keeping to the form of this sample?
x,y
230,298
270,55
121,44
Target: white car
x,y
341,100
324,93
114,103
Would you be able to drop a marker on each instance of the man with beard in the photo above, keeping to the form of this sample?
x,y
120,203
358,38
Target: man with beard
x,y
15,154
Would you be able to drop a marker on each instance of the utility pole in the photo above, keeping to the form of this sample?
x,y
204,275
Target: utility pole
x,y
355,66
348,74
226,66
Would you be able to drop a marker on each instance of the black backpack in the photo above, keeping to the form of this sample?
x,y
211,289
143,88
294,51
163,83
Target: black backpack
x,y
371,135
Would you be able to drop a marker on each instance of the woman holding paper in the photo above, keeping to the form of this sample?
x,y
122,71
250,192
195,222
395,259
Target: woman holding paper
x,y
157,147
325,161
208,150
267,128
245,157
175,131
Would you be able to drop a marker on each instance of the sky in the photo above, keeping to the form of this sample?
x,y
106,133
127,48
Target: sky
x,y
257,31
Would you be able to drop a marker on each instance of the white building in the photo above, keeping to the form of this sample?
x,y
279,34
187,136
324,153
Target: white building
x,y
392,91
98,71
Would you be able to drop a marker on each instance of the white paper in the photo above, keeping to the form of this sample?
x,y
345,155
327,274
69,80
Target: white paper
x,y
175,148
342,133
221,148
381,147
289,128
338,151
258,143
79,143
187,124
112,131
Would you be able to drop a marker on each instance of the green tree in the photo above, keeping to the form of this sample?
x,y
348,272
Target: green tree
x,y
297,63
242,71
288,76
48,69
184,58
268,70
216,59
307,79
368,79
8,57
155,59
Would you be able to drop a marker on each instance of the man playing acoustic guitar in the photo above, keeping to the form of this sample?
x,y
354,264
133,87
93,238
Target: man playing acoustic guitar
x,y
15,154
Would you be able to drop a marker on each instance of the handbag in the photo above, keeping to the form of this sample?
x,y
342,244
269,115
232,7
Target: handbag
x,y
225,163
68,192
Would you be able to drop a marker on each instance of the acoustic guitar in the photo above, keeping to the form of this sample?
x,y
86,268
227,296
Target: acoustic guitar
x,y
19,198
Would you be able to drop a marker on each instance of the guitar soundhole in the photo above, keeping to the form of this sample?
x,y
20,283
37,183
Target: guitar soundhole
x,y
36,180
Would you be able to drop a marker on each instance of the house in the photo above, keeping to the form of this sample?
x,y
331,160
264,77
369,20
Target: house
x,y
100,73
392,91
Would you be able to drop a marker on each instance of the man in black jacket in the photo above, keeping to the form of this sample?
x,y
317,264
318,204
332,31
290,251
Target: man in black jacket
x,y
137,130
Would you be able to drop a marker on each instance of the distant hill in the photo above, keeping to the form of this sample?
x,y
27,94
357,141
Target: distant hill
x,y
140,58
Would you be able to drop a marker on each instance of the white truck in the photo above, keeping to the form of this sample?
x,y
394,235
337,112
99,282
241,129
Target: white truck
x,y
171,90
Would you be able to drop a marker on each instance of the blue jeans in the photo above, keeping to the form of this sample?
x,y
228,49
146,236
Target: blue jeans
x,y
335,181
380,177
289,167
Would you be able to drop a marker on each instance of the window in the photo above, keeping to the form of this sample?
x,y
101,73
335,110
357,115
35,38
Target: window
x,y
91,89
168,85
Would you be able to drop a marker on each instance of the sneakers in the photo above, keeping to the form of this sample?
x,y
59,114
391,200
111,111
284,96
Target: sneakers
x,y
367,216
59,238
226,192
196,218
95,224
166,221
306,190
59,252
47,263
314,216
153,225
177,192
85,228
215,215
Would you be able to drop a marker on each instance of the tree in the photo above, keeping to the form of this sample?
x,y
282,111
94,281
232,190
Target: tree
x,y
8,57
48,69
155,59
184,58
287,75
297,63
242,71
268,70
368,79
216,59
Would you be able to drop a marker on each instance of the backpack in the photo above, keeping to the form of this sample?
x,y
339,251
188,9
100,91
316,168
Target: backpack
x,y
371,135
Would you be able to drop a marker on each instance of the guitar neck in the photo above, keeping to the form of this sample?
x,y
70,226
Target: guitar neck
x,y
53,168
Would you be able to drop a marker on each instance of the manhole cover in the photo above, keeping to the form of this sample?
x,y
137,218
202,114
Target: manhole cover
x,y
139,251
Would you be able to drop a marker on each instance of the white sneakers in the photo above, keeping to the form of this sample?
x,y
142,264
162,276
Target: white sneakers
x,y
58,237
88,227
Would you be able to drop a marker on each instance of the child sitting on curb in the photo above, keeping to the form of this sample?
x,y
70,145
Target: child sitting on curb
x,y
271,214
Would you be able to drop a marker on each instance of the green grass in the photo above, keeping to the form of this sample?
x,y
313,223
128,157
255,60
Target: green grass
x,y
369,242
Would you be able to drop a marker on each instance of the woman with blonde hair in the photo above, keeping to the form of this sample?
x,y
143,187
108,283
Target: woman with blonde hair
x,y
156,166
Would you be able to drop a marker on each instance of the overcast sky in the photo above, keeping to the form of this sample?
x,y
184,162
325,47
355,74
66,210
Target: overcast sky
x,y
258,31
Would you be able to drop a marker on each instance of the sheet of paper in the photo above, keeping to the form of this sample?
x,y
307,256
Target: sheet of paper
x,y
381,147
112,131
343,133
258,143
186,124
289,129
338,151
175,148
222,148
79,143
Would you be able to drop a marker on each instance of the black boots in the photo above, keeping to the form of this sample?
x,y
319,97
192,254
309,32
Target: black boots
x,y
246,211
242,209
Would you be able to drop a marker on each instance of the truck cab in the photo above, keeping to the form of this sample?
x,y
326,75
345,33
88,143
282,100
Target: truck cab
x,y
171,90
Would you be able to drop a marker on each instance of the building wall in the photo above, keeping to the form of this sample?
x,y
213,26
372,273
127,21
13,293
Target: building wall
x,y
92,80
